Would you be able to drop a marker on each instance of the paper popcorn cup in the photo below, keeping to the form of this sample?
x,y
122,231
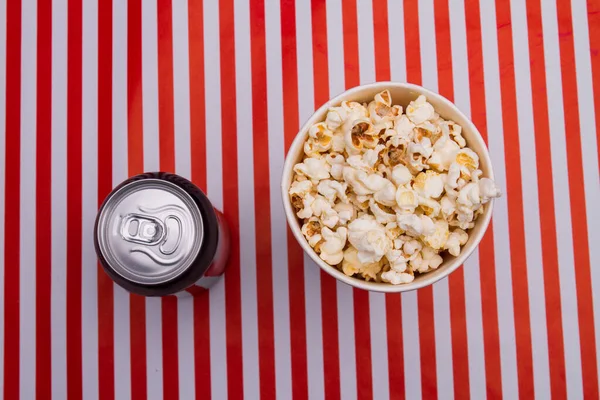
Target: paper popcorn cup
x,y
402,94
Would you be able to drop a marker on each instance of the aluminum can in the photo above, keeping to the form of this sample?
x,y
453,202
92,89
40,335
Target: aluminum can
x,y
157,234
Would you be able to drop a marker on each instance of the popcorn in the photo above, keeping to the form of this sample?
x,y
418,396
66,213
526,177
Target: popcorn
x,y
338,143
313,168
372,156
352,265
369,238
488,190
345,212
312,231
395,151
404,128
381,215
336,116
383,195
467,158
332,250
396,259
407,200
419,110
386,195
396,278
418,153
332,190
429,184
359,136
438,238
444,154
306,211
457,238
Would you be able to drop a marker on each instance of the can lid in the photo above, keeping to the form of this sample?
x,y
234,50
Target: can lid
x,y
149,231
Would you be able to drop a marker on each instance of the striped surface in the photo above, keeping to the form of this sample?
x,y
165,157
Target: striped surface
x,y
94,91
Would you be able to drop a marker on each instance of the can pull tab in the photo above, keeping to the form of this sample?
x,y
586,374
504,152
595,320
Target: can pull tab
x,y
142,229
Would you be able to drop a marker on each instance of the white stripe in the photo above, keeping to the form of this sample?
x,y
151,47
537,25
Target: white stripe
x,y
181,89
2,173
150,85
346,335
379,348
441,296
59,198
460,72
314,329
443,339
335,48
185,346
89,174
27,262
397,48
214,178
428,45
345,303
312,275
531,215
562,205
246,199
506,323
181,104
154,364
412,351
366,42
306,103
121,307
377,310
281,305
589,146
212,93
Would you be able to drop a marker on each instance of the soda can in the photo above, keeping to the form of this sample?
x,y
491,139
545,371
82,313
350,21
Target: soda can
x,y
157,234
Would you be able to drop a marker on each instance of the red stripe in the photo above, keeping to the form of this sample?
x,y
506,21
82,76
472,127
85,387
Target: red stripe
x,y
202,372
74,41
350,31
456,283
329,311
578,205
425,295
137,336
593,14
233,312
135,159
289,70
364,379
489,301
295,255
514,193
43,191
546,201
106,383
393,302
382,40
12,205
262,202
167,163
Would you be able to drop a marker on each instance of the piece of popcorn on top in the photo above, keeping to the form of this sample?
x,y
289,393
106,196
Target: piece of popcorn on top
x,y
419,110
456,239
369,238
313,168
332,249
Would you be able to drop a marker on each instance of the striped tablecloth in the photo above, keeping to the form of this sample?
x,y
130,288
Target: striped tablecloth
x,y
94,91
